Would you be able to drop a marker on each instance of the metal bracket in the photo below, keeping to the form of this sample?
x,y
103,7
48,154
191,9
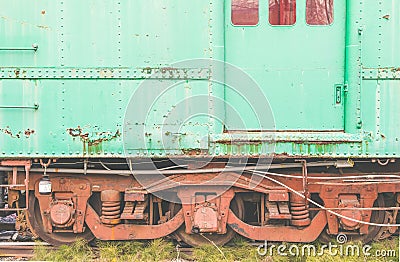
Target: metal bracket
x,y
304,172
35,107
104,73
387,73
33,48
14,184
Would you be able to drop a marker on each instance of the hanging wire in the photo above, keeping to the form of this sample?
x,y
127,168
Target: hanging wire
x,y
324,208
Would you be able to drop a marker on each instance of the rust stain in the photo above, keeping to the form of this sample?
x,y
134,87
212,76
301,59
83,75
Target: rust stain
x,y
94,138
104,136
29,132
43,12
147,70
43,27
7,130
25,23
241,142
168,69
16,72
239,229
193,151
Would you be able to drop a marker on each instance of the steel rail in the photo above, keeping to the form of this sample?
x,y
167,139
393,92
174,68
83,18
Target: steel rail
x,y
19,249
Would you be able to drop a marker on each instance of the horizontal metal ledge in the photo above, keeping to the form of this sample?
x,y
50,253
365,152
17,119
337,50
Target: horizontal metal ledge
x,y
33,48
17,185
285,137
13,209
35,107
103,73
386,73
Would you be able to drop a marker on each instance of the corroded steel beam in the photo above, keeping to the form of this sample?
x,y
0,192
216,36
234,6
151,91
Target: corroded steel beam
x,y
279,233
130,231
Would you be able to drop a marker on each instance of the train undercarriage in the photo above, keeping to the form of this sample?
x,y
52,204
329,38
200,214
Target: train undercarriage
x,y
291,201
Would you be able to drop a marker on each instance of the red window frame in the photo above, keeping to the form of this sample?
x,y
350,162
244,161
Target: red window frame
x,y
245,12
282,12
319,12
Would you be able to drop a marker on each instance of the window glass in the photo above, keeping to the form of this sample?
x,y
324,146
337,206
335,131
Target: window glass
x,y
244,12
282,12
319,12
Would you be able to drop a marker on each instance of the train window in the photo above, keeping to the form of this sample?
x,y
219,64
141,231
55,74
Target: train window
x,y
244,12
282,12
319,12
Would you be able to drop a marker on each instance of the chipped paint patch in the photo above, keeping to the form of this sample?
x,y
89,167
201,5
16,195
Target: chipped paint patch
x,y
27,133
92,140
236,227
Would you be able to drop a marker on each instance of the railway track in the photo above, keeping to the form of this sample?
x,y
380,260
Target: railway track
x,y
19,249
26,249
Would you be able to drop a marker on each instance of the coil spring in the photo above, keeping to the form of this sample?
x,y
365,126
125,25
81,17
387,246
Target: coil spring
x,y
300,214
111,210
110,207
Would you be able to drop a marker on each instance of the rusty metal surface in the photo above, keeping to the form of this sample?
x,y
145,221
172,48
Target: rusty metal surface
x,y
18,250
350,201
130,231
61,213
389,73
279,233
110,207
205,208
210,215
70,189
368,194
90,139
17,182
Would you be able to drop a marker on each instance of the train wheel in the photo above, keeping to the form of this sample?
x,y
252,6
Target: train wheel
x,y
55,239
237,206
378,217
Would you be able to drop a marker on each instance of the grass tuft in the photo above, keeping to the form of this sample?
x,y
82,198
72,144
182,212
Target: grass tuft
x,y
158,250
76,252
113,251
109,251
240,250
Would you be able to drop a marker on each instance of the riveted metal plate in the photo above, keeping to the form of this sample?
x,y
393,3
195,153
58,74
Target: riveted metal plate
x,y
104,73
391,73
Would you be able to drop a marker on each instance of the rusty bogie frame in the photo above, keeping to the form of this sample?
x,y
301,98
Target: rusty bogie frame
x,y
123,210
65,208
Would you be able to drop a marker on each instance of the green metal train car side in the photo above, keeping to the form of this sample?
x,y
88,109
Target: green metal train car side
x,y
332,89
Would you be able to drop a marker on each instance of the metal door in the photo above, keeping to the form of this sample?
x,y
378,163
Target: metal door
x,y
299,67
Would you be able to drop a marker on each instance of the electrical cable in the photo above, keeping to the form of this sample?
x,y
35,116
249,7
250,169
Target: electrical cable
x,y
324,208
